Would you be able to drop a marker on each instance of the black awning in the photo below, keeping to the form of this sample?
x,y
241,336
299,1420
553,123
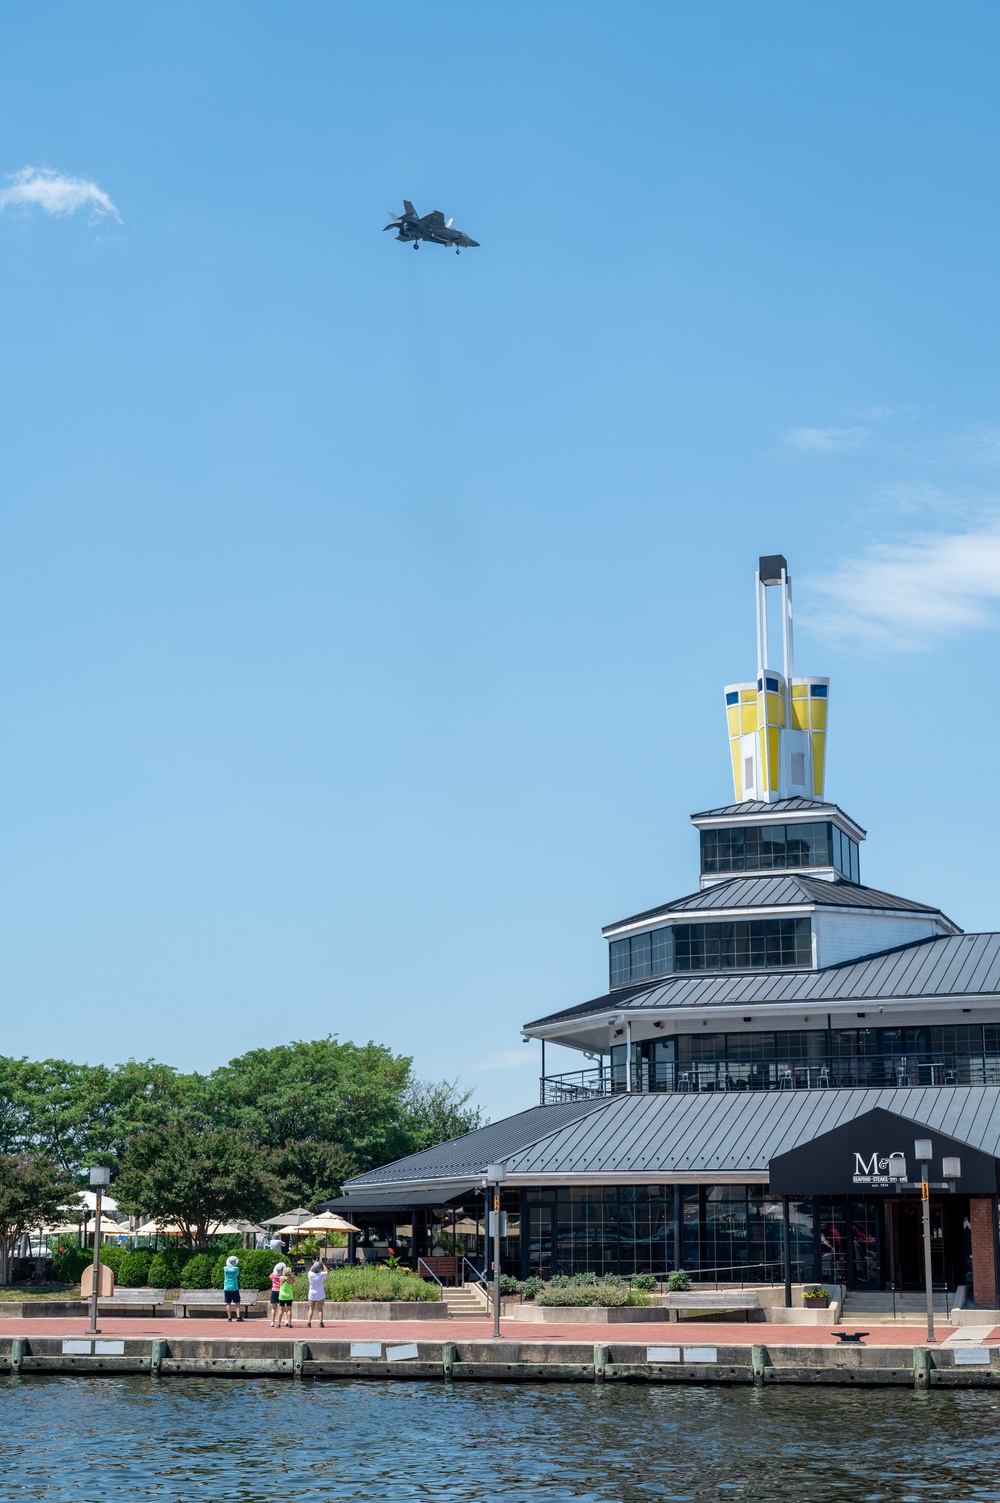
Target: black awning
x,y
853,1159
368,1202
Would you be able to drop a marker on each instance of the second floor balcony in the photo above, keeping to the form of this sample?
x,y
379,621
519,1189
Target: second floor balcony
x,y
807,1073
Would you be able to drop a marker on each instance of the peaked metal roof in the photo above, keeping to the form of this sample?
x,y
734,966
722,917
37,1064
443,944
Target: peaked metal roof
x,y
467,1155
780,891
950,965
740,1133
794,805
709,1134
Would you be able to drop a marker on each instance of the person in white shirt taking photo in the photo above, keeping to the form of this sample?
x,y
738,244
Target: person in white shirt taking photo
x,y
317,1291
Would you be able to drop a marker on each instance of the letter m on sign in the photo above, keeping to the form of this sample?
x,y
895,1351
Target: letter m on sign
x,y
860,1167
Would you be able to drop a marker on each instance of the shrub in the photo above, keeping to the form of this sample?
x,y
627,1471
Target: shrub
x,y
509,1285
531,1287
598,1293
678,1281
113,1258
197,1272
638,1297
134,1271
255,1267
646,1281
69,1264
346,1284
165,1270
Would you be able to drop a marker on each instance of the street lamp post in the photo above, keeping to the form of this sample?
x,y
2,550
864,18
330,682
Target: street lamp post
x,y
100,1179
495,1176
923,1150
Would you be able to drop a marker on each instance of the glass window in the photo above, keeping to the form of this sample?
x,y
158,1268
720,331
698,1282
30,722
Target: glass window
x,y
817,691
743,944
619,962
772,684
640,957
661,952
723,850
732,699
809,844
855,863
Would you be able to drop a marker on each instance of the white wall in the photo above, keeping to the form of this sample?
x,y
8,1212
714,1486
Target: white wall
x,y
848,936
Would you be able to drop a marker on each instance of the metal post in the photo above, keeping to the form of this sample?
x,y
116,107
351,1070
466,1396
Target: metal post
x,y
628,1055
925,1200
678,1227
92,1330
496,1262
995,1208
786,1250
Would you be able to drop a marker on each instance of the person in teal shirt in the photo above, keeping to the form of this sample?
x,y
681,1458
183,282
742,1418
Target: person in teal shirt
x,y
231,1288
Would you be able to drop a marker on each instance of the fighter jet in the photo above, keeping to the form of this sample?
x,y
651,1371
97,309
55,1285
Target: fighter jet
x,y
432,227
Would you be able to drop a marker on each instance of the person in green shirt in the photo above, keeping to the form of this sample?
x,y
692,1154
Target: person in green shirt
x,y
285,1296
231,1288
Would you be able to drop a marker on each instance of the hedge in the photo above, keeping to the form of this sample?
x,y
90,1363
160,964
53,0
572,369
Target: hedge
x,y
344,1285
134,1271
197,1272
255,1268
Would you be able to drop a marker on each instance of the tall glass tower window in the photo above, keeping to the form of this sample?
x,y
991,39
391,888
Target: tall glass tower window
x,y
765,848
737,945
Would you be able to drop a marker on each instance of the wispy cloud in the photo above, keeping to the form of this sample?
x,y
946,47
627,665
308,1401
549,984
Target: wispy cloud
x,y
824,440
915,594
55,193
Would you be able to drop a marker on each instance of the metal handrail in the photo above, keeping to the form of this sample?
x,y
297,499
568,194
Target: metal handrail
x,y
477,1278
431,1272
789,1072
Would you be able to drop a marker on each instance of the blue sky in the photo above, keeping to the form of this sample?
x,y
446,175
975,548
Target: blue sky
x,y
364,613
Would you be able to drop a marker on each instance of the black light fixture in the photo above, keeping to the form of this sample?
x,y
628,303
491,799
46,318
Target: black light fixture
x,y
748,1020
659,1024
861,1014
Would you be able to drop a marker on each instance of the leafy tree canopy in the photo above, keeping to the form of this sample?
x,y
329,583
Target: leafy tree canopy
x,y
32,1189
308,1115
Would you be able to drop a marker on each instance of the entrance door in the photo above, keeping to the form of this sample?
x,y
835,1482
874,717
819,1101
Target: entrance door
x,y
541,1235
908,1244
864,1244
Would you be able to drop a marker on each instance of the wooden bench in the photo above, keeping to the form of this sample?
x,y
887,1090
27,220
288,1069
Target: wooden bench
x,y
203,1299
444,1267
712,1301
132,1298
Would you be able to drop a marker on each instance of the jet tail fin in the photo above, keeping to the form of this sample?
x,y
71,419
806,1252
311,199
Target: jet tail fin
x,y
411,211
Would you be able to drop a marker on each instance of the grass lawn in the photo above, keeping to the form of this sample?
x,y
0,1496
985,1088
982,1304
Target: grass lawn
x,y
18,1292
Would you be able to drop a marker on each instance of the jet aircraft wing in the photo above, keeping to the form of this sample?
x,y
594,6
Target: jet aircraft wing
x,y
435,219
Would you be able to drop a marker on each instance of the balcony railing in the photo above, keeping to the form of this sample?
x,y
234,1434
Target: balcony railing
x,y
815,1073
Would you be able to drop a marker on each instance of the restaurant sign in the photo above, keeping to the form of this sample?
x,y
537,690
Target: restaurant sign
x,y
854,1158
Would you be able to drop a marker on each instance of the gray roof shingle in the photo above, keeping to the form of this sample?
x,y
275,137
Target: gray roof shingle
x,y
794,805
950,965
778,891
670,1133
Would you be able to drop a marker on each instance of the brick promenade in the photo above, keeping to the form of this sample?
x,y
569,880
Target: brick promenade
x,y
655,1333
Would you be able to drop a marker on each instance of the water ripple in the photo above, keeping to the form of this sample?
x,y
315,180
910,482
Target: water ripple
x,y
65,1440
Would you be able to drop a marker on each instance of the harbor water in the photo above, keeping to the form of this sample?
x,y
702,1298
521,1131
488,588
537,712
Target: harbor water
x,y
174,1441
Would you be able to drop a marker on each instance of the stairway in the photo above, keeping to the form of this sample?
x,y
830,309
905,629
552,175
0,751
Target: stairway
x,y
876,1306
464,1302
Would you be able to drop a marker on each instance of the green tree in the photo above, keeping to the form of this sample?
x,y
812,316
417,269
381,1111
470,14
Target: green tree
x,y
32,1189
196,1176
82,1114
359,1096
310,1171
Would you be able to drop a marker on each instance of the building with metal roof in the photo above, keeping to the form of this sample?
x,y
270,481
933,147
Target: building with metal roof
x,y
765,1048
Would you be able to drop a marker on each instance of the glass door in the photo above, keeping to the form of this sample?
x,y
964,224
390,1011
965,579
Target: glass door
x,y
540,1239
864,1244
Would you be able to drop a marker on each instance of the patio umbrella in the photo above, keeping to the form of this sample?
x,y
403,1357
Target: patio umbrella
x,y
289,1218
328,1221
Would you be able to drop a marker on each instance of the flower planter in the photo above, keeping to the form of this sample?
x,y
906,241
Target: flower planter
x,y
589,1315
816,1302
